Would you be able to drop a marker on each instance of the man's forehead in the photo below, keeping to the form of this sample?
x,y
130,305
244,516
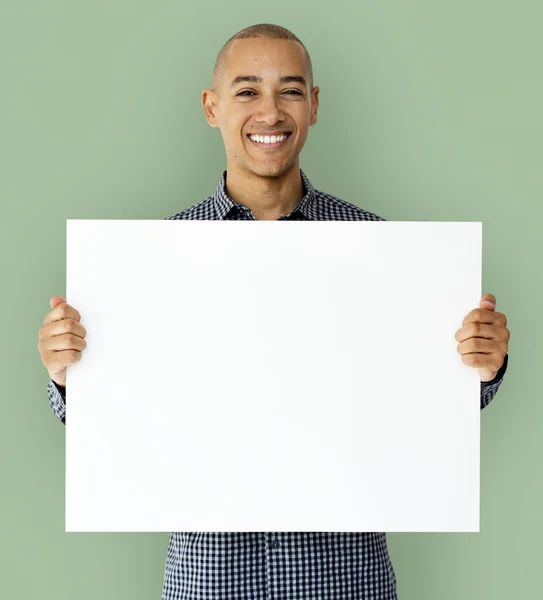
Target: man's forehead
x,y
253,65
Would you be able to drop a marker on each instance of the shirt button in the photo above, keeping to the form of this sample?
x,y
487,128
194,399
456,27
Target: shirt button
x,y
275,544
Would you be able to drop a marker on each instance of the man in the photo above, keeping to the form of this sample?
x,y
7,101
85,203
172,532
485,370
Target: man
x,y
263,87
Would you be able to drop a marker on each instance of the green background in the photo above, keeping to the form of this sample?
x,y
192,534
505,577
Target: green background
x,y
429,111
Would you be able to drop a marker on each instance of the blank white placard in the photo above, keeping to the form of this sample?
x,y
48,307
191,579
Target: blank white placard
x,y
272,376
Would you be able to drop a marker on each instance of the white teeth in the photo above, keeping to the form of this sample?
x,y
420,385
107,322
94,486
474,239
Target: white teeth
x,y
266,139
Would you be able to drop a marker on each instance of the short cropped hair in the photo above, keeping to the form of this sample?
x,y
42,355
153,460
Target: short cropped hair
x,y
262,30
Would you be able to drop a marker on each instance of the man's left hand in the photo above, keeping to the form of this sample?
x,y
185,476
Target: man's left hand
x,y
484,338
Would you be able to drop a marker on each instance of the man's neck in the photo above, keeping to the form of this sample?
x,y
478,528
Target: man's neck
x,y
268,197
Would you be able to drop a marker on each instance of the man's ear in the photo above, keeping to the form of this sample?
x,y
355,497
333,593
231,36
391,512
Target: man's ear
x,y
209,104
314,105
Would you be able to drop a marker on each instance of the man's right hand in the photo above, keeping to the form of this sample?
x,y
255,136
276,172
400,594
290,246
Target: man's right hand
x,y
61,339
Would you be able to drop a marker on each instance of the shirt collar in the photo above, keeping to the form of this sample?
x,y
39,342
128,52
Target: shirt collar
x,y
224,203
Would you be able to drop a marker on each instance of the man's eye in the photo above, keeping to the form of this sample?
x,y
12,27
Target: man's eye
x,y
250,92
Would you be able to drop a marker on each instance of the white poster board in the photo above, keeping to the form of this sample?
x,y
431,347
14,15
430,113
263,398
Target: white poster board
x,y
272,376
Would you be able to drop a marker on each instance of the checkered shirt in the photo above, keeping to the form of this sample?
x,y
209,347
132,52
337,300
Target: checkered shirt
x,y
277,565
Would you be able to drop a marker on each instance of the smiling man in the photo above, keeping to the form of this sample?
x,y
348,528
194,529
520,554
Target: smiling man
x,y
263,101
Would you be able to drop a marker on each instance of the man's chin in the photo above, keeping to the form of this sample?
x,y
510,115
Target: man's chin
x,y
270,170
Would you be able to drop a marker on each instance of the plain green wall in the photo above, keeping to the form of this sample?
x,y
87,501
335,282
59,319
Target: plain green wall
x,y
429,111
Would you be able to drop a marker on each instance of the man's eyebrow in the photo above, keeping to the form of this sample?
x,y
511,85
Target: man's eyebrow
x,y
255,79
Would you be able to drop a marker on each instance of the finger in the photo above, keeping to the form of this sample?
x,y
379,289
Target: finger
x,y
62,311
63,358
67,341
482,361
476,329
488,302
484,316
55,300
487,305
478,346
60,327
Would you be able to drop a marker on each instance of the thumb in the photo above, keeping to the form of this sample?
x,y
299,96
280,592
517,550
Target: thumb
x,y
56,300
488,301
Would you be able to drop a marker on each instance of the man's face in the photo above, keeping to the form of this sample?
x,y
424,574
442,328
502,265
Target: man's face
x,y
262,107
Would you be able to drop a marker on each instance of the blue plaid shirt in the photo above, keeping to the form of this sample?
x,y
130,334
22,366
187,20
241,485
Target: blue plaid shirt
x,y
277,565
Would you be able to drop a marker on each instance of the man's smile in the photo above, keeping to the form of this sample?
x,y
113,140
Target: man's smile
x,y
266,142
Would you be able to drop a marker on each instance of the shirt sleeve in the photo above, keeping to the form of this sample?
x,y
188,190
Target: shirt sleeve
x,y
489,388
57,400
